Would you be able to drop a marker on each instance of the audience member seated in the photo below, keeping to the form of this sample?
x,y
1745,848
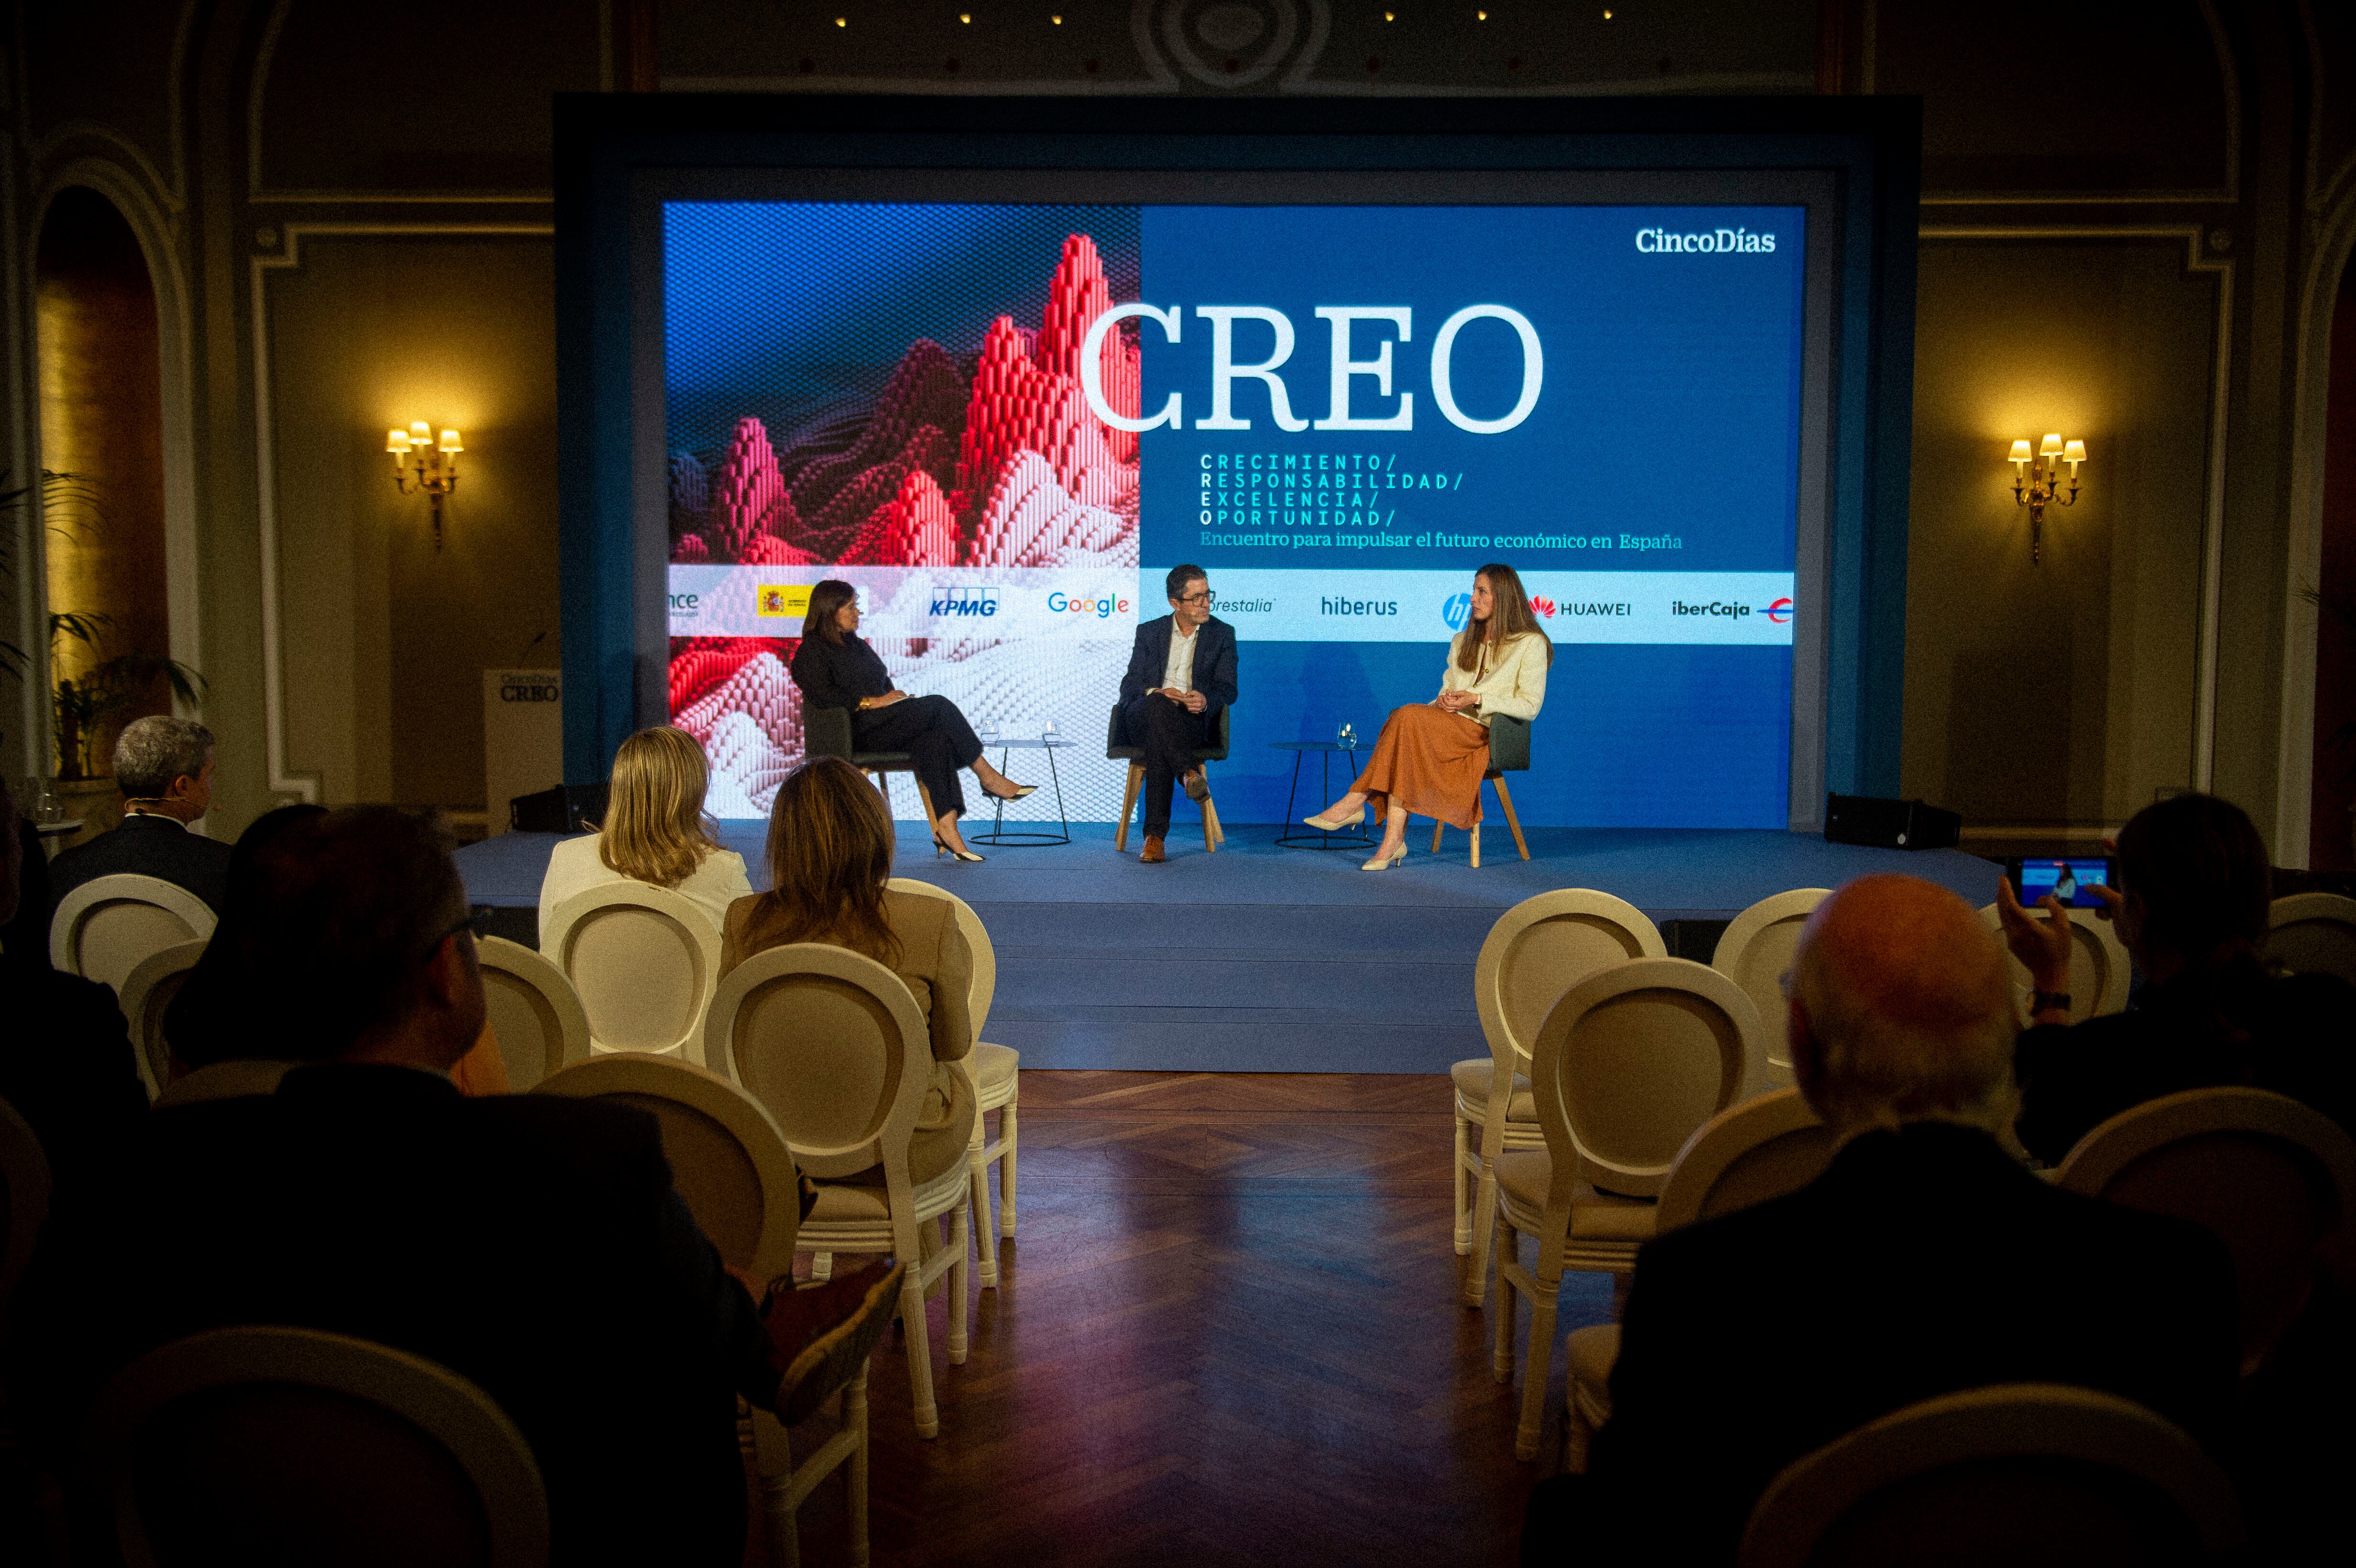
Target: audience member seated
x,y
64,1053
655,831
2190,909
24,935
165,768
830,856
1924,1261
532,1243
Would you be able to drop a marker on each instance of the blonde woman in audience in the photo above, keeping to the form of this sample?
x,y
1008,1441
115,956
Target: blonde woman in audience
x,y
830,856
655,831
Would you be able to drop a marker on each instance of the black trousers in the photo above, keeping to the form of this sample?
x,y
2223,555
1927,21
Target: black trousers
x,y
1170,736
934,735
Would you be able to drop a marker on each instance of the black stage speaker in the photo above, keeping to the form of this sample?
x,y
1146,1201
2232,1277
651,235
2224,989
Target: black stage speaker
x,y
567,808
1881,824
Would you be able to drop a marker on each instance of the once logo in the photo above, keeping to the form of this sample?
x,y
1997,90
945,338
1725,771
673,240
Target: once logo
x,y
962,604
1102,606
1458,606
686,604
1779,612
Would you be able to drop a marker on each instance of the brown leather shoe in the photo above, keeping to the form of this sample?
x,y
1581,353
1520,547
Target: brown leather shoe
x,y
1152,855
1198,788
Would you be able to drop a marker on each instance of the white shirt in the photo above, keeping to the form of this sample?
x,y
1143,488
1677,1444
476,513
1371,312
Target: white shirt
x,y
575,866
1178,674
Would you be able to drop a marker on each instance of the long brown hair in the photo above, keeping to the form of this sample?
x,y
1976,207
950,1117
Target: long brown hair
x,y
829,854
1509,616
827,597
655,829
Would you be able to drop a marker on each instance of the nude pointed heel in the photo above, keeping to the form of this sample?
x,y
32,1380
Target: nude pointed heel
x,y
1331,825
1381,863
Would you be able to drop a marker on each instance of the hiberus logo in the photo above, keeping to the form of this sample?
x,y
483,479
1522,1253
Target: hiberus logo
x,y
1710,241
963,604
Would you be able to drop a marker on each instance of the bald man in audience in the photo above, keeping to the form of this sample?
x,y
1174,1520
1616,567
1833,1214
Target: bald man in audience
x,y
534,1245
1924,1261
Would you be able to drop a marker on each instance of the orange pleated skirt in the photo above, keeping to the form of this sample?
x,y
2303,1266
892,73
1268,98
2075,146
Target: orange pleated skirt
x,y
1431,760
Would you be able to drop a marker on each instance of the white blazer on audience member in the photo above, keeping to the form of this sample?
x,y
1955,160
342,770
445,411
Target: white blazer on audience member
x,y
575,868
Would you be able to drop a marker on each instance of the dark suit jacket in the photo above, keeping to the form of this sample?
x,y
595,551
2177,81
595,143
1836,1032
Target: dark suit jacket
x,y
66,1065
146,847
1215,662
1921,1263
835,675
530,1244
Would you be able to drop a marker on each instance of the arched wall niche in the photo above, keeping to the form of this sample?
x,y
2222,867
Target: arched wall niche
x,y
99,364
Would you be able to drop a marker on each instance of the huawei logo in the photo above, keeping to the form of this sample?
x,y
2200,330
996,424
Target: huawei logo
x,y
1543,607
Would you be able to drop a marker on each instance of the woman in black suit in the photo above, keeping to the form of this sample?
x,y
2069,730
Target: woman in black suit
x,y
836,668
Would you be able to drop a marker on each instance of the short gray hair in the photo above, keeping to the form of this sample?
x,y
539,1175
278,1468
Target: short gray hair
x,y
153,751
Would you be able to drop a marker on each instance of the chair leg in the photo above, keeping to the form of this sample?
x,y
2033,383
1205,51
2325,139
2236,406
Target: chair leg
x,y
977,1173
821,1266
1539,1365
1464,1215
854,1417
1501,1351
1576,1436
960,1283
1485,1239
920,1353
1129,804
1476,846
1212,836
1437,829
1506,799
1007,1130
924,797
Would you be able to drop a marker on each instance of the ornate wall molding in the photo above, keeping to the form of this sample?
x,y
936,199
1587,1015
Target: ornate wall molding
x,y
283,780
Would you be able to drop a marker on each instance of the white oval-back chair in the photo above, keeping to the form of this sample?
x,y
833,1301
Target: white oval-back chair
x,y
996,1072
832,1044
1537,950
2313,934
1627,1066
2100,970
1755,953
534,1013
235,1078
274,1445
1748,1153
644,961
147,995
107,926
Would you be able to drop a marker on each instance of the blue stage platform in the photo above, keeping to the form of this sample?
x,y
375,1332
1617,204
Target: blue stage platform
x,y
1262,959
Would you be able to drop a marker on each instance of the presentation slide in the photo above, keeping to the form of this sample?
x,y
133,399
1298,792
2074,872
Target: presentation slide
x,y
1004,423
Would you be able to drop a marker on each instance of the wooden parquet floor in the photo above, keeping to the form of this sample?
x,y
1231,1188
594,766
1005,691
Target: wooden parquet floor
x,y
1228,1333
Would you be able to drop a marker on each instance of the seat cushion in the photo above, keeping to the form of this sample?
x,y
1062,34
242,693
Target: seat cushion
x,y
1473,1080
862,1198
994,1067
1523,1174
1590,1352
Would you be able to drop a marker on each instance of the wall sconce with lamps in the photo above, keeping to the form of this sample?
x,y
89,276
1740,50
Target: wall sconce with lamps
x,y
422,463
2037,483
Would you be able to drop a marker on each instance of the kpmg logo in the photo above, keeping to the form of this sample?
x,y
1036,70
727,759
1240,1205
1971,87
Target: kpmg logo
x,y
1708,242
962,604
1458,606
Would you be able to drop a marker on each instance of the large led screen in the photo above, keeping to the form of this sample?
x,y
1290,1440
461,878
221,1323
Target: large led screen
x,y
1006,422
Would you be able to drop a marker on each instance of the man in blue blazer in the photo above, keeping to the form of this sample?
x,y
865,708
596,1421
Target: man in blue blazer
x,y
1181,673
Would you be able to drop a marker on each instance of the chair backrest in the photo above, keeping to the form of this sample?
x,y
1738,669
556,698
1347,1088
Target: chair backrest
x,y
833,1046
2313,934
2272,1178
643,960
2022,1474
1542,947
728,1156
1748,1153
107,925
537,1015
24,1196
232,1080
1631,1062
1754,953
272,1445
2100,969
145,994
977,938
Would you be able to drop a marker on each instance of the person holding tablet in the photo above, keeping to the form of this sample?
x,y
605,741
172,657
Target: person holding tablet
x,y
1431,756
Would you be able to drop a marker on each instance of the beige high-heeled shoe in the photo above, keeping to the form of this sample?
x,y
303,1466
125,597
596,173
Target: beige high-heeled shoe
x,y
1334,825
1381,864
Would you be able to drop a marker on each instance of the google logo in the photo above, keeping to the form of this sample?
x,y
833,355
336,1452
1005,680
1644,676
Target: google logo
x,y
1062,604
